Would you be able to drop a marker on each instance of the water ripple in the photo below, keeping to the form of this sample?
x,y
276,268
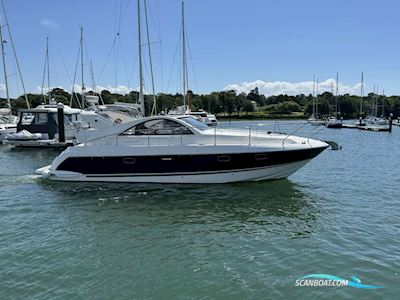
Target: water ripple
x,y
338,215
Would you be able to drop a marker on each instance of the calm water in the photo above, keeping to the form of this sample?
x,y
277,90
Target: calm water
x,y
339,215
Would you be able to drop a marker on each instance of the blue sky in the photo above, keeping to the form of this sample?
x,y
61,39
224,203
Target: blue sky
x,y
275,45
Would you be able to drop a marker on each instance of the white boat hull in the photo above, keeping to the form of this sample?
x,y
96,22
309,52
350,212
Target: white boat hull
x,y
5,132
259,174
200,155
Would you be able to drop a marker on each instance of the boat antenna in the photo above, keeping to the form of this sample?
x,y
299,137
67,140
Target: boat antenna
x,y
3,54
154,109
15,55
141,83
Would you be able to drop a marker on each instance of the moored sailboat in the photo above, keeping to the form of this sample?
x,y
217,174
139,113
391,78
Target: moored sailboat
x,y
315,119
185,109
8,122
333,121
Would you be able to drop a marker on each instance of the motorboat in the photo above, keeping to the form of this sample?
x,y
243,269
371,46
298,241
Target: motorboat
x,y
372,120
101,117
6,129
8,123
39,127
120,112
167,149
201,115
205,117
333,122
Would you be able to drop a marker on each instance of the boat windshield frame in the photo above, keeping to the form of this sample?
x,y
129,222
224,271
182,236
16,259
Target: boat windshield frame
x,y
194,123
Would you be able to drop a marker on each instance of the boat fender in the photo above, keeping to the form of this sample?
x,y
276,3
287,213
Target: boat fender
x,y
46,174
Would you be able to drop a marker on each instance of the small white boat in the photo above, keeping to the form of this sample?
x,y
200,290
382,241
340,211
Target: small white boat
x,y
377,121
8,123
38,127
334,123
165,149
201,115
316,121
6,129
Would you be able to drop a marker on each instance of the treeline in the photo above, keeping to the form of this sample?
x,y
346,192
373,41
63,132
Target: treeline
x,y
230,103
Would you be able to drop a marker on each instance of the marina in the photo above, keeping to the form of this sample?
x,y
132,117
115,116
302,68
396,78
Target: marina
x,y
167,238
180,150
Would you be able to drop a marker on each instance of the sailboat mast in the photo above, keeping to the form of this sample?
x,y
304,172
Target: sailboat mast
x,y
3,54
48,68
94,83
141,96
15,55
377,101
373,102
316,100
337,94
337,84
83,81
184,56
92,75
313,96
362,93
154,109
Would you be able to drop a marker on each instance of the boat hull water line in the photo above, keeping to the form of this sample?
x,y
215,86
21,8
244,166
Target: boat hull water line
x,y
165,149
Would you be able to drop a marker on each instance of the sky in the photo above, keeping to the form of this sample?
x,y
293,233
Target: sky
x,y
277,46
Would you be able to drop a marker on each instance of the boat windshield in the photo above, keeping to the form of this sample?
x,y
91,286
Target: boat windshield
x,y
195,123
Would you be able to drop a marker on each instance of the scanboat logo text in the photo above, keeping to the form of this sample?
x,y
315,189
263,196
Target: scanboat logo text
x,y
326,280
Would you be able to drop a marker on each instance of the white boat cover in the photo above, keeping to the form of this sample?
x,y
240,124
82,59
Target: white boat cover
x,y
25,135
